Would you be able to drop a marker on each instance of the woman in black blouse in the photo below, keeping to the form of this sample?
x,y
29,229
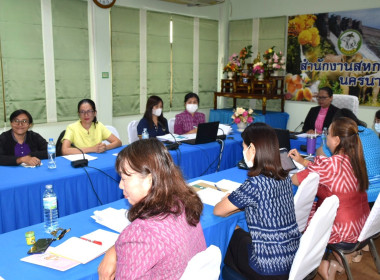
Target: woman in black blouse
x,y
19,145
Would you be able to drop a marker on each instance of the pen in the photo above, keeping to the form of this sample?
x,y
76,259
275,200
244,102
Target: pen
x,y
63,233
92,241
217,188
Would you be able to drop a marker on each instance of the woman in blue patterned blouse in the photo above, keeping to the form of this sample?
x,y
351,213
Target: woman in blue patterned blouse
x,y
266,196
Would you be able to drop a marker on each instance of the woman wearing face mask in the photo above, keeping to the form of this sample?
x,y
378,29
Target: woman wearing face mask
x,y
268,249
187,122
153,119
377,122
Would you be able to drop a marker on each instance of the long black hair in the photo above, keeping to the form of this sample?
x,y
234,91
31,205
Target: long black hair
x,y
267,159
151,102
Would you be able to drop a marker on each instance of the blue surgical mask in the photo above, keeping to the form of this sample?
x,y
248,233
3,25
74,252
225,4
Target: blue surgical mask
x,y
249,163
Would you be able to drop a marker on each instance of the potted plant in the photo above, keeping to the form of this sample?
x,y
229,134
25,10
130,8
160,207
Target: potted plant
x,y
242,117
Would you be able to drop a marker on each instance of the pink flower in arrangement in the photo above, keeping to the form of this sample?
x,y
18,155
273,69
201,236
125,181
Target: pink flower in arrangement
x,y
237,120
245,113
249,119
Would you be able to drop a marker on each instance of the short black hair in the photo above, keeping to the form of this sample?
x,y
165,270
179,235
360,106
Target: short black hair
x,y
328,90
19,112
377,114
191,95
92,104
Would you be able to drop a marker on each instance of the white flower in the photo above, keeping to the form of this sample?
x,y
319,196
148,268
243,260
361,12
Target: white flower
x,y
250,111
239,111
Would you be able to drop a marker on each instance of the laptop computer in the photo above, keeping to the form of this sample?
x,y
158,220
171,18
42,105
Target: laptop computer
x,y
283,137
206,133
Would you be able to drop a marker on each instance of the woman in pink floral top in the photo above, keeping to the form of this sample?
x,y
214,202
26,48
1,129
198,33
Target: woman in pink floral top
x,y
188,120
165,232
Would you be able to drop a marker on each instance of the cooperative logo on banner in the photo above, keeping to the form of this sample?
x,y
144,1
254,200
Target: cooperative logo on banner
x,y
349,42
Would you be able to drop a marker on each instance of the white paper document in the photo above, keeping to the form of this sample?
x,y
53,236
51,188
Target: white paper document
x,y
83,251
228,185
169,137
210,196
112,218
79,156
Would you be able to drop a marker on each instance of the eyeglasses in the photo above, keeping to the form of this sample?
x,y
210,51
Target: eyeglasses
x,y
322,97
20,122
60,232
89,112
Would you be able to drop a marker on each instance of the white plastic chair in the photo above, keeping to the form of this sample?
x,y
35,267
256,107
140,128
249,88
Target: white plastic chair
x,y
132,131
171,125
370,231
304,198
313,242
113,131
346,101
204,266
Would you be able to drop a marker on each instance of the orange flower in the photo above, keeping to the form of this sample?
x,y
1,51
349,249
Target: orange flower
x,y
307,94
299,96
293,82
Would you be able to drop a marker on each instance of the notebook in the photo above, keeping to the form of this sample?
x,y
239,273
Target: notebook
x,y
206,133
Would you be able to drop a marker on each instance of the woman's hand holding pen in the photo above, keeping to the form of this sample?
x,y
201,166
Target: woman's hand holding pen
x,y
295,155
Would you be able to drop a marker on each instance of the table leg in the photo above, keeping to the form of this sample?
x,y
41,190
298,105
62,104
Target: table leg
x,y
235,103
282,103
264,105
215,101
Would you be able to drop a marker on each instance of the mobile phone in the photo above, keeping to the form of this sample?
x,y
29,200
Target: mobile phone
x,y
40,246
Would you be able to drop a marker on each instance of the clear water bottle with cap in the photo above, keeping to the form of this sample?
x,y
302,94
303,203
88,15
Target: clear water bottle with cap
x,y
50,209
145,134
51,154
324,136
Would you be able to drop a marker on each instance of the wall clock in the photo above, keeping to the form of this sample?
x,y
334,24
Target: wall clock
x,y
105,4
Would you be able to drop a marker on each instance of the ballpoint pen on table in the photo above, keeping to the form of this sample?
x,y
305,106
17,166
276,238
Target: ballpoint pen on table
x,y
92,241
217,187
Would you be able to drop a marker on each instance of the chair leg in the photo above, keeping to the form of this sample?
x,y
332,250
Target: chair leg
x,y
374,254
346,265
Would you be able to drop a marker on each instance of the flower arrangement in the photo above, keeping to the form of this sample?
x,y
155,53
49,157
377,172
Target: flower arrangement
x,y
274,60
233,64
245,53
258,69
242,116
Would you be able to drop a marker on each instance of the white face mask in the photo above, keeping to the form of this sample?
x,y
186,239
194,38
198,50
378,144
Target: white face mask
x,y
191,108
377,127
249,163
157,112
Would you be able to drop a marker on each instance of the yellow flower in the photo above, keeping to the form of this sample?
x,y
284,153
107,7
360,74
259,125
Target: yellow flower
x,y
305,37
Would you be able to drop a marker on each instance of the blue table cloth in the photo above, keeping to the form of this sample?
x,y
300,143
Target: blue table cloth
x,y
217,231
21,189
274,119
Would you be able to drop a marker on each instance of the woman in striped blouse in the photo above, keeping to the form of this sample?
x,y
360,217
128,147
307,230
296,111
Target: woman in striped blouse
x,y
345,175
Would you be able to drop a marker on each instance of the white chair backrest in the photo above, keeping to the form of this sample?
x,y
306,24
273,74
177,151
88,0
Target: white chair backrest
x,y
346,101
372,225
314,241
171,124
204,266
304,198
113,131
132,131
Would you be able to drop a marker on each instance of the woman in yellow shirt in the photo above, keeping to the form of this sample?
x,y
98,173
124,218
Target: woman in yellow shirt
x,y
87,133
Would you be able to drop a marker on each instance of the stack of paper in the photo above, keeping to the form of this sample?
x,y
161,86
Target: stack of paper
x,y
169,137
79,156
75,251
114,219
224,129
83,251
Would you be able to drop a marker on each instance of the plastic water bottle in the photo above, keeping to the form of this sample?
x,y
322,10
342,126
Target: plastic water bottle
x,y
50,209
51,154
145,134
324,136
